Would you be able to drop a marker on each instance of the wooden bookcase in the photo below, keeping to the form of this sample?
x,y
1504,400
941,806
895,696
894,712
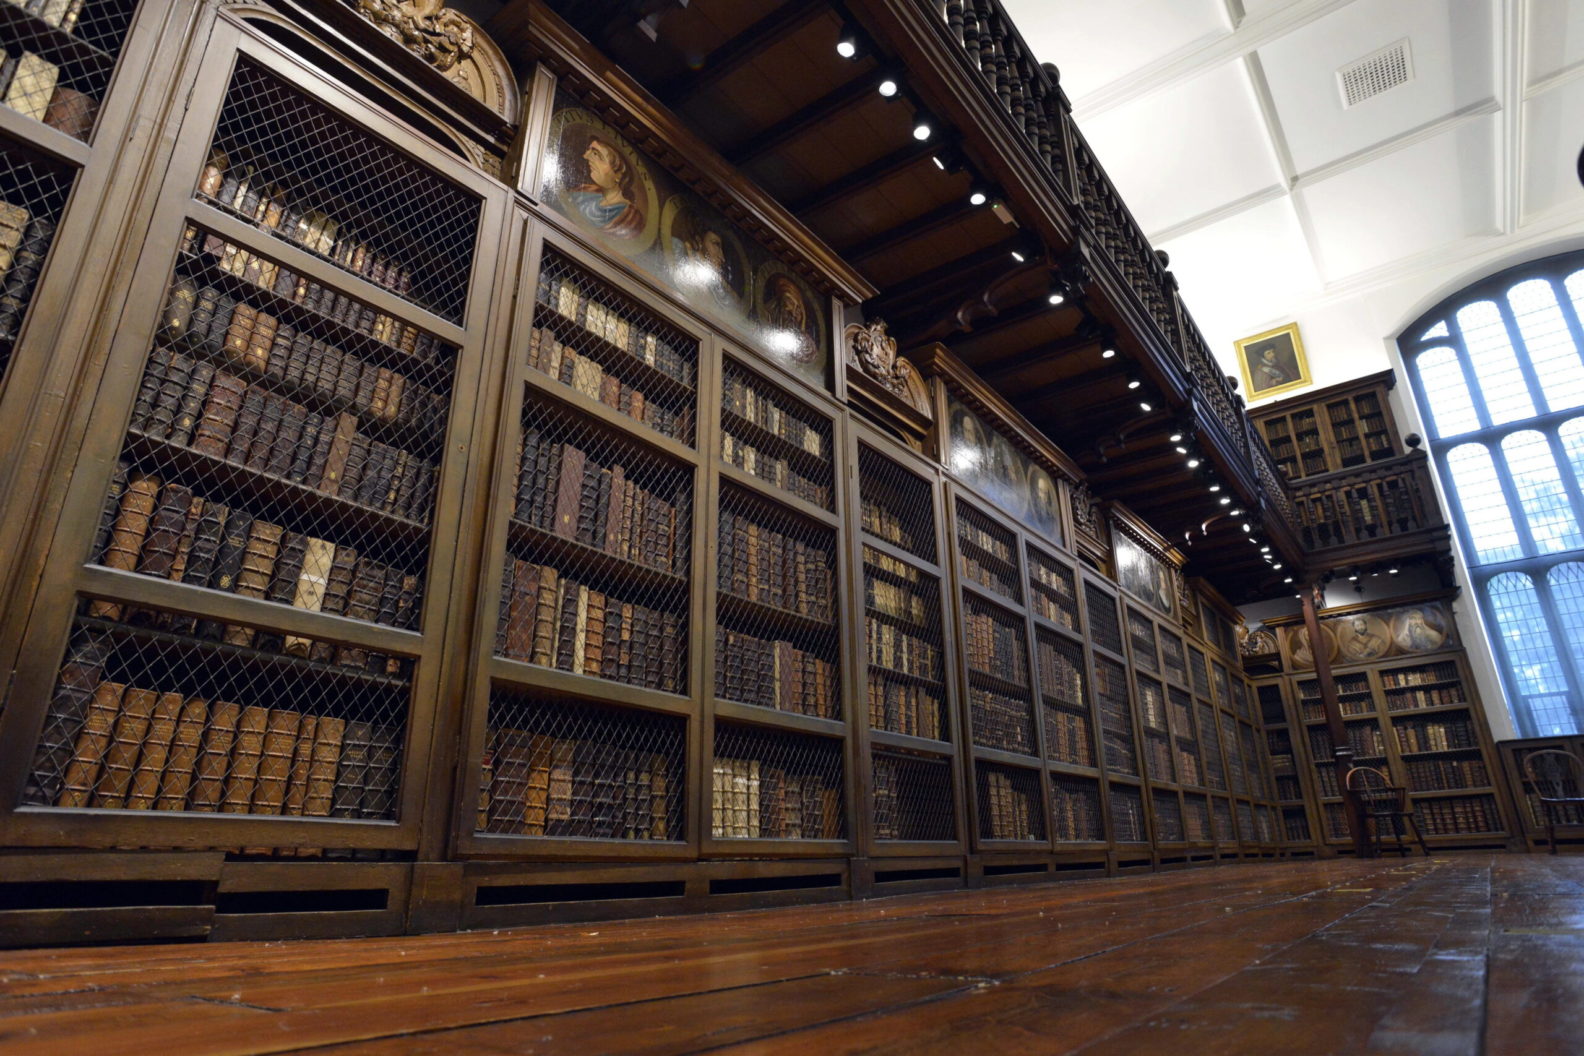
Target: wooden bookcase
x,y
1418,719
409,558
1530,814
1335,428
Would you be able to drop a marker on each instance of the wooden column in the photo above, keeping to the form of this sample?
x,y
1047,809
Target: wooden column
x,y
1341,748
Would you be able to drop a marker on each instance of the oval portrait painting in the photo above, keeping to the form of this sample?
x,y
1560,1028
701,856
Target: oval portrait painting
x,y
1362,637
601,183
705,259
791,320
1419,630
1044,510
970,451
1298,645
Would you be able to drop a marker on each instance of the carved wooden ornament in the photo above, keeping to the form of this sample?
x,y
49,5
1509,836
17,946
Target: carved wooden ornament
x,y
873,353
453,44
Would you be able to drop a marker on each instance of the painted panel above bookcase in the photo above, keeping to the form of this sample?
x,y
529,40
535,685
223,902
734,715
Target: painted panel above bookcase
x,y
983,458
622,200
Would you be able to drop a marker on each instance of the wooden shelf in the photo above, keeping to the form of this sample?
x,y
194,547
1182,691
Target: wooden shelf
x,y
57,44
737,607
585,557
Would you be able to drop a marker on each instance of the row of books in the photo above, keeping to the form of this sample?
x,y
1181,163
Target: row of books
x,y
258,342
31,85
1158,758
1061,673
773,470
1288,788
330,304
749,402
62,14
1326,780
775,674
992,577
1347,703
1151,704
567,297
1295,826
253,194
1000,721
535,784
587,375
1196,822
753,799
1412,699
994,648
884,523
1187,761
1458,814
1011,809
762,564
188,403
1127,816
1117,750
896,601
1075,811
143,749
1059,609
1068,736
896,650
992,543
1439,775
570,492
167,531
902,708
908,806
1168,818
1364,737
549,619
1421,736
1445,671
24,240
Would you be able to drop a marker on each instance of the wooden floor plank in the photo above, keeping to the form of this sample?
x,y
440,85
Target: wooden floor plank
x,y
1311,957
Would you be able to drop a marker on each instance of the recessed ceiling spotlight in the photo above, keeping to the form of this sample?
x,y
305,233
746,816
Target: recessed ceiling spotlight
x,y
1145,407
1226,500
1175,438
1193,463
978,196
1214,488
889,87
1134,383
922,129
847,45
1107,352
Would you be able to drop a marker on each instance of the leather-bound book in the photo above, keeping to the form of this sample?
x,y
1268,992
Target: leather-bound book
x,y
84,767
247,425
155,753
233,547
324,367
307,444
239,333
214,757
363,600
275,765
297,357
324,766
569,489
368,385
111,508
71,111
218,416
301,765
182,763
524,598
279,460
167,399
260,339
189,535
356,466
397,400
593,634
411,472
309,592
545,611
17,284
319,457
126,741
153,377
279,353
379,392
207,536
390,597
247,756
351,779
200,324
338,589
288,568
80,676
528,481
340,450
191,405
269,423
346,385
131,525
567,623
32,85
165,530
384,773
252,581
610,640
377,471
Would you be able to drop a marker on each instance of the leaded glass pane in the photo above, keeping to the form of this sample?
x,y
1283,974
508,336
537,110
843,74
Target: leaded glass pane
x,y
1531,655
1495,363
1451,406
1479,493
1552,523
1549,342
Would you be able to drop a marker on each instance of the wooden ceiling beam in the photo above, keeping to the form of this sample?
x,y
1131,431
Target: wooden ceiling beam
x,y
801,122
740,50
908,230
864,178
1026,312
922,292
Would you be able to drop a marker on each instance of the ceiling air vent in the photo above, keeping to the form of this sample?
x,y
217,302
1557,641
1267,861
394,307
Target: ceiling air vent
x,y
1375,73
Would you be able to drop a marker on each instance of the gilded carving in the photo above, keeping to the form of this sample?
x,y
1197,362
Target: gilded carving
x,y
427,28
874,352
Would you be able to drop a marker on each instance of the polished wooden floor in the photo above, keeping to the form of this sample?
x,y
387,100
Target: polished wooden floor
x,y
1473,953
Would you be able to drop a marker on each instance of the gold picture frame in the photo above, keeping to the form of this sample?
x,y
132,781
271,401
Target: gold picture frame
x,y
1275,357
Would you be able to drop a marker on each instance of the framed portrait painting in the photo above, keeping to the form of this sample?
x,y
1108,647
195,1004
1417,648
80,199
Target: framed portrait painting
x,y
1273,362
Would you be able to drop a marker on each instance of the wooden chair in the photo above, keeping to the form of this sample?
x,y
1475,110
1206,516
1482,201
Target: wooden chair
x,y
1384,802
1557,780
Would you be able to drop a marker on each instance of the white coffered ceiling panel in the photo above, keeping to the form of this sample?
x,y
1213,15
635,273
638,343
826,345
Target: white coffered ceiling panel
x,y
1231,273
1136,32
1428,194
1555,38
1553,133
1450,42
1184,153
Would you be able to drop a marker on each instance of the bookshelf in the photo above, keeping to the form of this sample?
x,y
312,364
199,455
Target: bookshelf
x,y
912,755
1331,429
246,634
65,52
1529,811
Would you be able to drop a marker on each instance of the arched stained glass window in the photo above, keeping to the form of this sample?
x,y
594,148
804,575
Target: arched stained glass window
x,y
1498,371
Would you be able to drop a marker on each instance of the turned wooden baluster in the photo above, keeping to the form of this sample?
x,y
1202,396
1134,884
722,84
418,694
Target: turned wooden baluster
x,y
970,30
954,20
